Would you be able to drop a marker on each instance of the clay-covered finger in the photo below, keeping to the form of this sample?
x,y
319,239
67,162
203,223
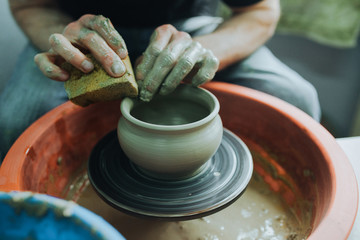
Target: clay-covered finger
x,y
106,30
46,63
209,66
158,41
71,54
182,68
163,64
105,55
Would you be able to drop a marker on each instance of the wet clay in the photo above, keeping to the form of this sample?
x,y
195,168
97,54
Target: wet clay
x,y
258,214
170,112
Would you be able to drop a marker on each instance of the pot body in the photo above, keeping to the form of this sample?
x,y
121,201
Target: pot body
x,y
169,145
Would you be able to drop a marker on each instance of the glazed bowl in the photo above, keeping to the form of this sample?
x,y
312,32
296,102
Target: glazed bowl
x,y
173,135
296,157
26,215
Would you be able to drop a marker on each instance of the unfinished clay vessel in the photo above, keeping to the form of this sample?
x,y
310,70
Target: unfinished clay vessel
x,y
173,135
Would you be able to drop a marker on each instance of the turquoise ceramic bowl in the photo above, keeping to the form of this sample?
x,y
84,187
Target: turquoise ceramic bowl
x,y
26,215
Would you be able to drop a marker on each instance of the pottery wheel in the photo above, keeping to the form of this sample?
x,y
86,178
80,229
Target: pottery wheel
x,y
121,184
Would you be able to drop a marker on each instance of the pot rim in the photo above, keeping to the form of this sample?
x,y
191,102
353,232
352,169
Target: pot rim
x,y
127,105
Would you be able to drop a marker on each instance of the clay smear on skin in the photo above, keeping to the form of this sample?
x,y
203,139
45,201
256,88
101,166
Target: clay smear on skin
x,y
69,54
86,35
166,61
103,51
106,29
110,33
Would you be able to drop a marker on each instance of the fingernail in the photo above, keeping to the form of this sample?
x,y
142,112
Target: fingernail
x,y
63,76
164,90
139,83
196,82
87,65
118,68
145,96
122,53
139,75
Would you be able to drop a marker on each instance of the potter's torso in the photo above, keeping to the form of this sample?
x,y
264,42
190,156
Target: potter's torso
x,y
144,13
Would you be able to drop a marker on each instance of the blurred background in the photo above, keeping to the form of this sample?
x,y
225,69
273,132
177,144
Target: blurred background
x,y
320,45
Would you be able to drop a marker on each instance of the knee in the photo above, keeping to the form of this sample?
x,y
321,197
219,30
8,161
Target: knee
x,y
264,72
15,116
305,97
295,90
9,133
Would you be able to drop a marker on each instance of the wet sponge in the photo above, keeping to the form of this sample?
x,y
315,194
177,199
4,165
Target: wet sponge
x,y
97,86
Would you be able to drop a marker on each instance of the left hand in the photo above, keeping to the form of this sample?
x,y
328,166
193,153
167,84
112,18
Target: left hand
x,y
168,60
90,33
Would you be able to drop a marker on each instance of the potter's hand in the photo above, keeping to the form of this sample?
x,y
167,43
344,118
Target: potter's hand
x,y
169,58
90,33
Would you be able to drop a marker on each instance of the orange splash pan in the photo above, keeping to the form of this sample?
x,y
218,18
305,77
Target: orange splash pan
x,y
295,155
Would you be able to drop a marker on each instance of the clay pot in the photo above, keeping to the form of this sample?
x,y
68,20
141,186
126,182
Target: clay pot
x,y
295,155
173,135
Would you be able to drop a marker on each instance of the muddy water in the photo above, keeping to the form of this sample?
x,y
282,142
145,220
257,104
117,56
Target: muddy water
x,y
259,214
170,112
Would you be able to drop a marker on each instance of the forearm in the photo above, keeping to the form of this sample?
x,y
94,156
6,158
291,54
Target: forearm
x,y
39,19
242,34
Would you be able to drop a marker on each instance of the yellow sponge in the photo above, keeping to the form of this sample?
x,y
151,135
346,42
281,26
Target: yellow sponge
x,y
97,86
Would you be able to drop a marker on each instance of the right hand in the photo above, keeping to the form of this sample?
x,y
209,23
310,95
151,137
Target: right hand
x,y
91,33
171,57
